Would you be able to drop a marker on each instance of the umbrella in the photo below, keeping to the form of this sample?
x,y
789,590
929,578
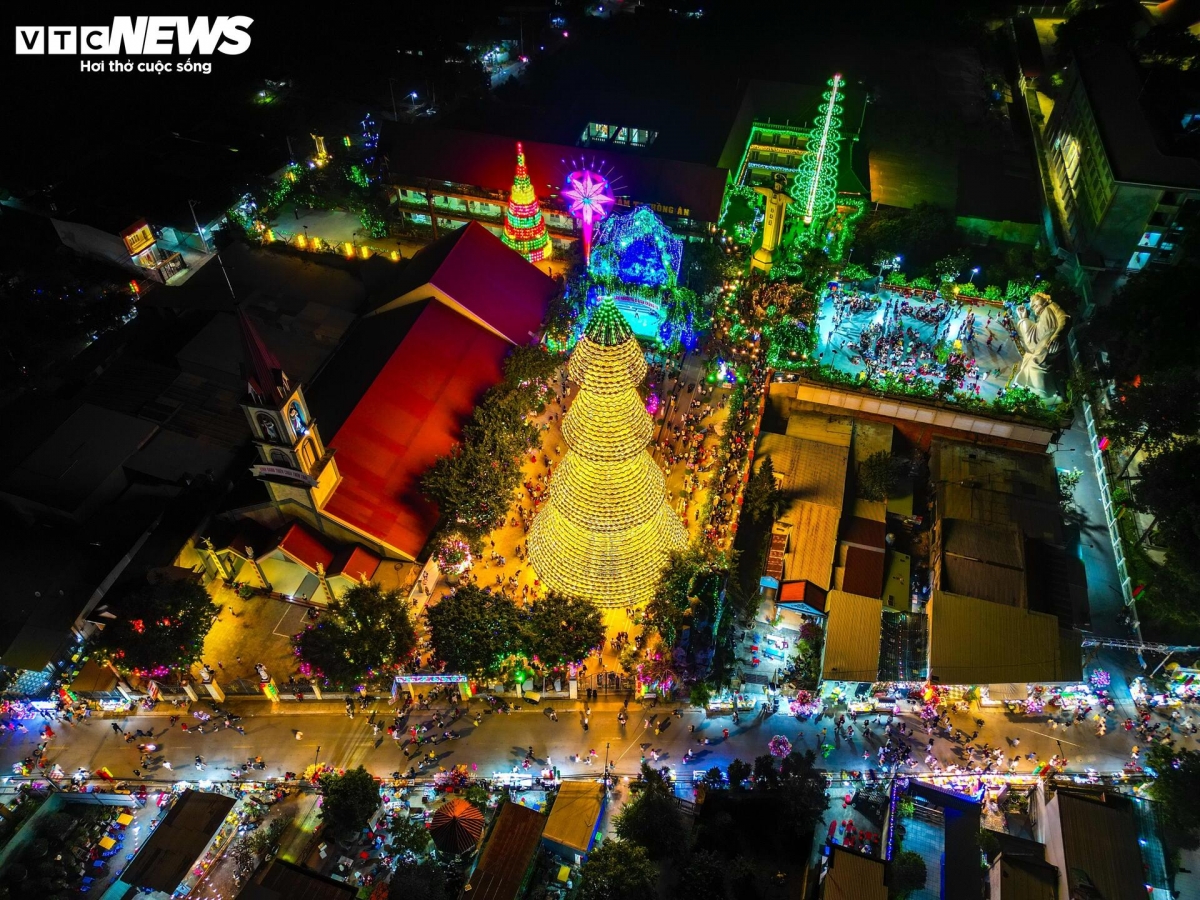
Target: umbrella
x,y
456,827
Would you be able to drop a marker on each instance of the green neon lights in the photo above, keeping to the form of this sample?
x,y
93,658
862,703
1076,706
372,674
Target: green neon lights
x,y
815,187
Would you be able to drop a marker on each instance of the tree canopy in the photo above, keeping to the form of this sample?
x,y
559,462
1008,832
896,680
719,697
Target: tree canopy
x,y
365,632
1176,786
763,499
348,800
618,870
907,874
878,475
473,630
701,874
671,606
1140,327
652,819
473,485
162,626
802,787
560,630
1169,490
409,837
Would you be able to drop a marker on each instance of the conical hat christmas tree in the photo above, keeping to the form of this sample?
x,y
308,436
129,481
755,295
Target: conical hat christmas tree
x,y
524,228
606,530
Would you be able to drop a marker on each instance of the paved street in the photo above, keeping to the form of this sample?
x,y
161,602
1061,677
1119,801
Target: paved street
x,y
500,742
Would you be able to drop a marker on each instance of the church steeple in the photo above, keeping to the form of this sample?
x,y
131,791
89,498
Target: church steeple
x,y
266,382
292,458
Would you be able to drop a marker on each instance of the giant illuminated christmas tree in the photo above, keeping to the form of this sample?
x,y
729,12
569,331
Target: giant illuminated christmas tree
x,y
606,529
524,228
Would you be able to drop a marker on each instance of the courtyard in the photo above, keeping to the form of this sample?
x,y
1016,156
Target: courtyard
x,y
908,339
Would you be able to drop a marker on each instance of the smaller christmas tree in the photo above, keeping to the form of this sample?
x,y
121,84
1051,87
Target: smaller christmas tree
x,y
524,228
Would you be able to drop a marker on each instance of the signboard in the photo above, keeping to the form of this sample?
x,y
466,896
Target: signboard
x,y
138,238
282,473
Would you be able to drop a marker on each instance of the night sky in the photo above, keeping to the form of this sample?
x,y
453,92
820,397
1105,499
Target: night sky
x,y
340,61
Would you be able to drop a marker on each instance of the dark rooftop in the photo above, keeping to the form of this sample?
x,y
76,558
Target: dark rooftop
x,y
1135,148
1100,844
506,857
153,178
283,881
961,877
165,858
342,382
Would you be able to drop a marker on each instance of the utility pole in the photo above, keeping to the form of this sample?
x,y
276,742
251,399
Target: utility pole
x,y
606,767
199,230
392,91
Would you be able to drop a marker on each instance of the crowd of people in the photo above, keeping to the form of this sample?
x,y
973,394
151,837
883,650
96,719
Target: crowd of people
x,y
909,340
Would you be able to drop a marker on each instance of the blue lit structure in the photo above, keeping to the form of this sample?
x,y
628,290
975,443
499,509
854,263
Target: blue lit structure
x,y
635,259
636,248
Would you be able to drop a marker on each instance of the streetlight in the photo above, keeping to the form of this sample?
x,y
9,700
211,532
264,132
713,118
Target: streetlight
x,y
413,98
974,272
392,91
606,767
318,756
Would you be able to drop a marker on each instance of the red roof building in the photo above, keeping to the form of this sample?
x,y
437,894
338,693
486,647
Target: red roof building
x,y
474,273
301,545
396,393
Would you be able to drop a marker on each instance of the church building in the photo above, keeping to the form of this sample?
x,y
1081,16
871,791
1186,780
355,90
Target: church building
x,y
339,463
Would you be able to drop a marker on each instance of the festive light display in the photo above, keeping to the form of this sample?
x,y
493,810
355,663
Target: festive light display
x,y
815,187
590,197
606,530
524,227
637,248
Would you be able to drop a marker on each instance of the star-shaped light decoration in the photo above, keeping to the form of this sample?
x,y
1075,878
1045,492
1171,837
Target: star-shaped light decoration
x,y
591,198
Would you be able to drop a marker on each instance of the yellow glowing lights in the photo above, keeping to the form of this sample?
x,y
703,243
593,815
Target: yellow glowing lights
x,y
606,529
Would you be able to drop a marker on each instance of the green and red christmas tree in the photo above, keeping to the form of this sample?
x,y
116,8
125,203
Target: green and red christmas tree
x,y
524,227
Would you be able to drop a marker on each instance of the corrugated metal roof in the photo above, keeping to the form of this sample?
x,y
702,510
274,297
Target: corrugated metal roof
x,y
851,637
809,470
1023,879
852,876
864,532
1036,515
575,814
974,641
821,427
863,572
987,543
971,578
1100,844
813,544
775,555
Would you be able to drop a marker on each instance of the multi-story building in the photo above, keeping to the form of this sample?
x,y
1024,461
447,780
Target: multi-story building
x,y
1121,184
676,157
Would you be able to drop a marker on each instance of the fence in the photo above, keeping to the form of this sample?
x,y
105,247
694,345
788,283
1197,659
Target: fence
x,y
1106,499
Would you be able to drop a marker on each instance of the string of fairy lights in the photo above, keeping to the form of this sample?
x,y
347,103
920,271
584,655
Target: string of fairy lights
x,y
606,529
815,187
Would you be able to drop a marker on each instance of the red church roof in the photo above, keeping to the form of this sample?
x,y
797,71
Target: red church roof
x,y
412,413
303,545
353,560
476,270
264,376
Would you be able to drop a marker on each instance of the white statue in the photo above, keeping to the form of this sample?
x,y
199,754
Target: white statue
x,y
1042,336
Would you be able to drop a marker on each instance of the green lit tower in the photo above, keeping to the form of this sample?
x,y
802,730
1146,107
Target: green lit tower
x,y
815,187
